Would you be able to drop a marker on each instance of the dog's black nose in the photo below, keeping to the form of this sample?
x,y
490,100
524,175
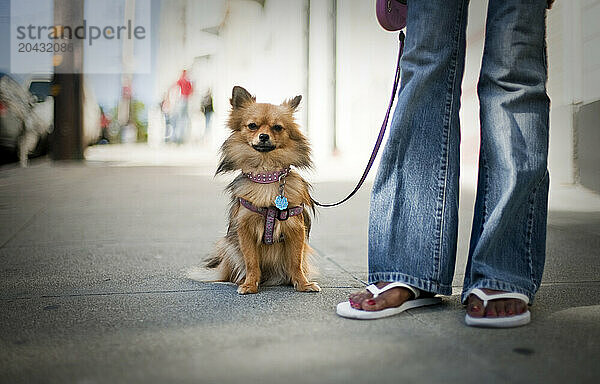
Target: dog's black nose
x,y
263,137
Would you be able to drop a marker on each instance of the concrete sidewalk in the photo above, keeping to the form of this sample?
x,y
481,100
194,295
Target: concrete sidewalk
x,y
99,263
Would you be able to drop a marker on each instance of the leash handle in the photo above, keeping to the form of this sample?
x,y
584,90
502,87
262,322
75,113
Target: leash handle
x,y
381,131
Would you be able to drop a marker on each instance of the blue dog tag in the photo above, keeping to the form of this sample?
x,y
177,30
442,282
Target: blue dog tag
x,y
281,202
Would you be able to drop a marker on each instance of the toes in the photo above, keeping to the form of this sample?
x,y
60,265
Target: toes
x,y
490,310
501,308
390,299
509,307
504,308
520,307
364,299
357,298
371,304
475,306
495,308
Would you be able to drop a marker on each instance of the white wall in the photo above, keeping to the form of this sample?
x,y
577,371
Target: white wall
x,y
365,67
573,37
590,38
235,42
366,59
320,97
263,53
562,48
469,112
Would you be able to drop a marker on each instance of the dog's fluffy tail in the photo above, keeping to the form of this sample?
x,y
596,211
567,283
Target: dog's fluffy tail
x,y
213,261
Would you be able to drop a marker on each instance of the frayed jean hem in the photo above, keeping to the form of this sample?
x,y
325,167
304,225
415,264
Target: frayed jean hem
x,y
422,284
499,286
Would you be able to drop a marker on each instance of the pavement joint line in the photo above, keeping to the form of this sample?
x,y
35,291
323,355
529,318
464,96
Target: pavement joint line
x,y
322,254
547,283
214,288
103,242
550,283
25,225
4,299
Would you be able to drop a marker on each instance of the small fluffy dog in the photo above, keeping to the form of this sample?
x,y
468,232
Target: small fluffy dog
x,y
269,222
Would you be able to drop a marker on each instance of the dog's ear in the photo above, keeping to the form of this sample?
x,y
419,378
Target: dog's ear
x,y
293,103
239,97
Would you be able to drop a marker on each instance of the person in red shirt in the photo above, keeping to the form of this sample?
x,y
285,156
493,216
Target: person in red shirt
x,y
182,120
185,86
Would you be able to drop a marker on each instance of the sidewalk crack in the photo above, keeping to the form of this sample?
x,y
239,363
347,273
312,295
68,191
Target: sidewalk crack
x,y
25,225
332,261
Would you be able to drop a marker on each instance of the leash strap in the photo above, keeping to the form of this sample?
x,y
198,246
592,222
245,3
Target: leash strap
x,y
381,131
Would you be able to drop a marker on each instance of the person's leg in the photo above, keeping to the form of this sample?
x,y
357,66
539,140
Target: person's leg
x,y
508,238
185,126
414,202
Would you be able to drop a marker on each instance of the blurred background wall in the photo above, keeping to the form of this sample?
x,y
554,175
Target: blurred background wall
x,y
334,53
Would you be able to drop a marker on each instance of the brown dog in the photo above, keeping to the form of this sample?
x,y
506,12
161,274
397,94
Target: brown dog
x,y
265,244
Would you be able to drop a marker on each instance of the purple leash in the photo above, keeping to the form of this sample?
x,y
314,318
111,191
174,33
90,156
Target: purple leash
x,y
381,131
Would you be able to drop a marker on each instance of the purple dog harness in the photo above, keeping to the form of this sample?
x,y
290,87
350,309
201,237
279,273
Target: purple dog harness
x,y
280,210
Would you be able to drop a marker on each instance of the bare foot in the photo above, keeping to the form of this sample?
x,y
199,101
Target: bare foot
x,y
495,308
395,297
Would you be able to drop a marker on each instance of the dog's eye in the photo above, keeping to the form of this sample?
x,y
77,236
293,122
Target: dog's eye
x,y
277,128
252,126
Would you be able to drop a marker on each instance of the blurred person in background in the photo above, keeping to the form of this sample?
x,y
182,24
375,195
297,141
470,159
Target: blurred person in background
x,y
104,128
166,107
182,121
208,110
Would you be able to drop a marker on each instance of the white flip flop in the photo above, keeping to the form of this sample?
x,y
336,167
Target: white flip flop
x,y
498,322
344,309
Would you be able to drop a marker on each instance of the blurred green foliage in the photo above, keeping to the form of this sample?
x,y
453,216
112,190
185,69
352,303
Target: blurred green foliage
x,y
136,112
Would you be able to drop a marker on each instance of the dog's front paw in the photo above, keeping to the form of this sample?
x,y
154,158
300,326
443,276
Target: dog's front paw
x,y
246,288
308,287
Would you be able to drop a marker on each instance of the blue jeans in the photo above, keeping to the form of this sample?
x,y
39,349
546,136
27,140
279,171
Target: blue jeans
x,y
414,204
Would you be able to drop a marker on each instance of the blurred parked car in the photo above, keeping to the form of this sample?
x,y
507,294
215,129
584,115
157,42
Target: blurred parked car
x,y
25,120
27,117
